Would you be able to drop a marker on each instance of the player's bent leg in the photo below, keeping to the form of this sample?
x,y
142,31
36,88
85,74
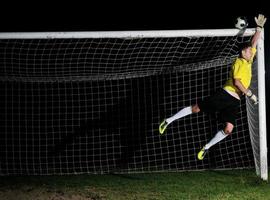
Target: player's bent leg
x,y
220,135
180,114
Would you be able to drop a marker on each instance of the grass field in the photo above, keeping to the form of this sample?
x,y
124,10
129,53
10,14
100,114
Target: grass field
x,y
219,185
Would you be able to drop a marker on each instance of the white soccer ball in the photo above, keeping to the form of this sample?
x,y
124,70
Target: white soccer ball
x,y
241,23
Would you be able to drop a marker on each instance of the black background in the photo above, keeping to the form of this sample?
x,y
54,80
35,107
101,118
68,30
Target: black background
x,y
134,15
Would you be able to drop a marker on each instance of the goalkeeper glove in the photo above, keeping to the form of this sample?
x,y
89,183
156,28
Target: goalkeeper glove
x,y
260,21
252,97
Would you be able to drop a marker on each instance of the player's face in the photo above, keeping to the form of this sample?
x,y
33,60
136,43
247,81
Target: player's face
x,y
247,53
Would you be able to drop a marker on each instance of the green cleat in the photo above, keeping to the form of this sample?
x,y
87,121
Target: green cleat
x,y
163,126
202,153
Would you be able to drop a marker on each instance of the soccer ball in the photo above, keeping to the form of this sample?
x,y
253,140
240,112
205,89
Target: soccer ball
x,y
241,23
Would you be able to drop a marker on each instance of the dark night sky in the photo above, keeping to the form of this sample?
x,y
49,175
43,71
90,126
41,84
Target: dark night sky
x,y
126,15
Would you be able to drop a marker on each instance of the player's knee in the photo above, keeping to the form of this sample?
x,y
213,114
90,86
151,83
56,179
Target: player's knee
x,y
228,129
195,108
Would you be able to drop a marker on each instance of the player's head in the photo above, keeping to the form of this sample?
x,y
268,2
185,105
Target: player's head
x,y
245,51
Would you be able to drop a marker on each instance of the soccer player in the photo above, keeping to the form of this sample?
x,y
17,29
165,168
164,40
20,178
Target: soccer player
x,y
227,100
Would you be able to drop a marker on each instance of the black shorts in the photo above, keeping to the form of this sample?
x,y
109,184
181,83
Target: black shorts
x,y
221,102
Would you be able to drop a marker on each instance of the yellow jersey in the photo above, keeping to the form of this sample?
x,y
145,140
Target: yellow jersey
x,y
241,69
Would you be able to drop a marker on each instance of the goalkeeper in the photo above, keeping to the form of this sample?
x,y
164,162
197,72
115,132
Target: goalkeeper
x,y
227,100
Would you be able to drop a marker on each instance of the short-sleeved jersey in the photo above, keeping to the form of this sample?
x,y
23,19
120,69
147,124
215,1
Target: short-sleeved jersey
x,y
241,69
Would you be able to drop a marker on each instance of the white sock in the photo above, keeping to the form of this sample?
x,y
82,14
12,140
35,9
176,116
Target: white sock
x,y
218,137
182,113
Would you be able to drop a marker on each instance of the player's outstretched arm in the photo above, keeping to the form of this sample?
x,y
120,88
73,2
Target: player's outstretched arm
x,y
260,21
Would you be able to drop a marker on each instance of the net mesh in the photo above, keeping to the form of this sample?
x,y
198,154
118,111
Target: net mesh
x,y
94,105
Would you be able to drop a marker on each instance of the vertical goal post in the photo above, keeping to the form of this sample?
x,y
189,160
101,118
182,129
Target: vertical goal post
x,y
262,109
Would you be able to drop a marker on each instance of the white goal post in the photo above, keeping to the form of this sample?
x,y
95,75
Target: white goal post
x,y
260,155
262,110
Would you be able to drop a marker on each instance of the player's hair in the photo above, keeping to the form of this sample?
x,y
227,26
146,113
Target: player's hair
x,y
243,46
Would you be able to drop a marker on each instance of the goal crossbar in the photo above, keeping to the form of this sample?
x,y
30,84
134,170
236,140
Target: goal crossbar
x,y
125,34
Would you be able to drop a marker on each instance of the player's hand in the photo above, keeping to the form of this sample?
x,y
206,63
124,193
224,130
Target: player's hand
x,y
260,21
252,97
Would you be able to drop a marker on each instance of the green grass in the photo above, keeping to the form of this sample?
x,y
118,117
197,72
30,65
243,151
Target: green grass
x,y
219,185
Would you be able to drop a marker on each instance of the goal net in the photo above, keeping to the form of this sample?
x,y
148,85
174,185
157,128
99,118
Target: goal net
x,y
91,102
